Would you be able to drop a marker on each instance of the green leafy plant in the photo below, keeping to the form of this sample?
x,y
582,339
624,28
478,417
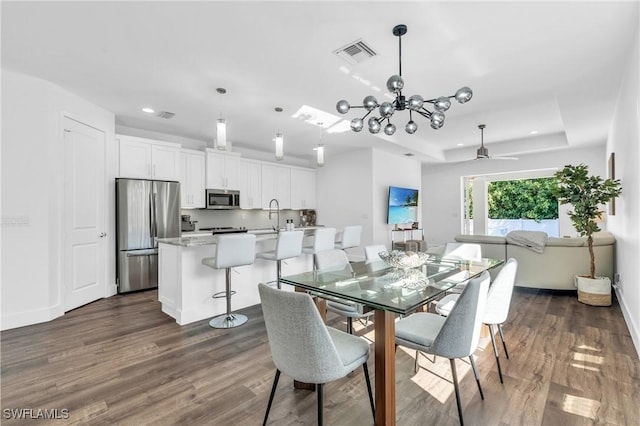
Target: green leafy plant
x,y
523,199
586,194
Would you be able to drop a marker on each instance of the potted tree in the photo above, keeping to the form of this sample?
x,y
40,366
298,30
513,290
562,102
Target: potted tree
x,y
587,194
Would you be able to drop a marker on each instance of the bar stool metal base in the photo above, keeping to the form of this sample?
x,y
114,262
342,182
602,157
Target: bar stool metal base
x,y
228,321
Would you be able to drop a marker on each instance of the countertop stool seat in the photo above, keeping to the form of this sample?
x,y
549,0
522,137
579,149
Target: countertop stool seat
x,y
323,240
288,245
231,250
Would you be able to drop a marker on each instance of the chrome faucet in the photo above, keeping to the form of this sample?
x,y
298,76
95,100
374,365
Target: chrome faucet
x,y
277,212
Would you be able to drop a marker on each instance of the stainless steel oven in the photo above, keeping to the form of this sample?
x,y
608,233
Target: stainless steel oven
x,y
220,199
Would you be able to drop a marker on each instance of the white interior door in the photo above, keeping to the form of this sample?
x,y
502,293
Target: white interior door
x,y
84,222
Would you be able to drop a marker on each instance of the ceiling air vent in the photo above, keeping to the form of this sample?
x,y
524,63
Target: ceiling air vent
x,y
166,114
408,154
356,52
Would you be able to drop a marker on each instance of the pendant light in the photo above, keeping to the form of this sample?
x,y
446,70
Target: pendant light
x,y
221,126
279,140
320,150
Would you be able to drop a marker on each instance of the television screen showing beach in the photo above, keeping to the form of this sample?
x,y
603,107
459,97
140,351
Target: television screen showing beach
x,y
403,205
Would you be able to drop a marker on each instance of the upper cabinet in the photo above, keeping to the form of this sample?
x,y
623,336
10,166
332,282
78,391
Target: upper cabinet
x,y
149,159
303,189
276,183
222,170
250,184
192,175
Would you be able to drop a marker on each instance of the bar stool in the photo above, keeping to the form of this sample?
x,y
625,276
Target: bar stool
x,y
231,250
350,237
323,239
288,245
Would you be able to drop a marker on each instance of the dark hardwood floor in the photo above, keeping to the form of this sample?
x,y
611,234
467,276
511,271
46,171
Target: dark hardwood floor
x,y
122,361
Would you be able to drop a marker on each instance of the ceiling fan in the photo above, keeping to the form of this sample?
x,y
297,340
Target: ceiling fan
x,y
483,153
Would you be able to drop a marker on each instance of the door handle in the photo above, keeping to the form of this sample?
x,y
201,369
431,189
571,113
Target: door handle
x,y
102,234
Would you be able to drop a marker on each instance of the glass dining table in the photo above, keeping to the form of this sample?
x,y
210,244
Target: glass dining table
x,y
389,292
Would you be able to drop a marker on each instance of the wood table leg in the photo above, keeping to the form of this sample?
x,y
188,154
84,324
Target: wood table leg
x,y
321,304
385,360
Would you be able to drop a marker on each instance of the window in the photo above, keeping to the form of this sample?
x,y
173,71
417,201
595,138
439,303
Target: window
x,y
499,203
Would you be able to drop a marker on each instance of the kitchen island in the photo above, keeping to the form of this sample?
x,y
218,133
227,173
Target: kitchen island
x,y
185,285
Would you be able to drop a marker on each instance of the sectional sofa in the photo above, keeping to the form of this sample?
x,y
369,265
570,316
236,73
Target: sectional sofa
x,y
555,267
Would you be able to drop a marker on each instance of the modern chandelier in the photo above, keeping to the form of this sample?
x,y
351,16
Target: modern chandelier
x,y
415,103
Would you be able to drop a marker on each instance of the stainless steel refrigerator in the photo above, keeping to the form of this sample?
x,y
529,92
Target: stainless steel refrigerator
x,y
145,211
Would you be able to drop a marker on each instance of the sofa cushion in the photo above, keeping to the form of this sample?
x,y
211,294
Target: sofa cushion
x,y
566,242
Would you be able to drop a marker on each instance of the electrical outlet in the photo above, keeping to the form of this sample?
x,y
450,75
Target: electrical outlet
x,y
617,279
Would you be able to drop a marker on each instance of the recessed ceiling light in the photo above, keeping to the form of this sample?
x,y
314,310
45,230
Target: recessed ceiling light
x,y
533,132
460,144
148,110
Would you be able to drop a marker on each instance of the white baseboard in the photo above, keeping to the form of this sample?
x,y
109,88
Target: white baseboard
x,y
635,336
36,316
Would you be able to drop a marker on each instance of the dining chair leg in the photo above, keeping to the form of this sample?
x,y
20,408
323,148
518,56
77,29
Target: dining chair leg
x,y
349,325
319,390
495,350
415,366
475,373
504,342
456,388
273,392
366,376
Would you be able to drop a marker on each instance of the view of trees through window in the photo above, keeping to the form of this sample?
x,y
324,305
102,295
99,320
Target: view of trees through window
x,y
526,204
522,199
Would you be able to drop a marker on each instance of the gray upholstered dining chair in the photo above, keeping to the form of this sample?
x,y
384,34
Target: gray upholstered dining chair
x,y
463,251
337,260
497,309
350,237
304,348
455,336
372,251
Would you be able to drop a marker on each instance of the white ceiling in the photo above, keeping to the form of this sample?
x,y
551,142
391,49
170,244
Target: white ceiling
x,y
549,67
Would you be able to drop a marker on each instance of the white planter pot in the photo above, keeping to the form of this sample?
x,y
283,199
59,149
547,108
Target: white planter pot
x,y
595,292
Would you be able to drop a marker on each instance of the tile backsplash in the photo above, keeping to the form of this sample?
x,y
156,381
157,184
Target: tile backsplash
x,y
250,219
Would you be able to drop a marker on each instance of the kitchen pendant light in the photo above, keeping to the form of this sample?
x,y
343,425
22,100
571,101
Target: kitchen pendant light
x,y
320,155
221,127
320,150
279,140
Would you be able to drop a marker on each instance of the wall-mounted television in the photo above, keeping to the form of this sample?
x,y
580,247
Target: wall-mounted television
x,y
402,206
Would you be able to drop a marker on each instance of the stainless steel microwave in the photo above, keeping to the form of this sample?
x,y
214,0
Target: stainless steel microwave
x,y
221,199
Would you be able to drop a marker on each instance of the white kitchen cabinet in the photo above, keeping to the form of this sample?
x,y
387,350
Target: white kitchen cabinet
x,y
250,184
303,189
149,159
276,183
192,179
222,170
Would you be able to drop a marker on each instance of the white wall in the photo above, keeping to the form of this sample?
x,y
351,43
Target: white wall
x,y
33,113
441,185
623,140
391,170
344,194
352,189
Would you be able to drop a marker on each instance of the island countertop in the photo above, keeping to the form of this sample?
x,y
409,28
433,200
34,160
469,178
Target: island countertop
x,y
205,240
197,238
